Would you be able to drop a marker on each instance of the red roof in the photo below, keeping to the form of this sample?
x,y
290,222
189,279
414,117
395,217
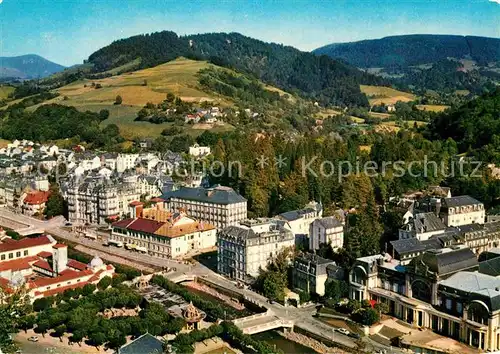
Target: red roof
x,y
5,284
135,203
122,223
68,275
37,197
43,264
24,243
61,289
157,200
145,225
77,265
17,264
59,245
44,254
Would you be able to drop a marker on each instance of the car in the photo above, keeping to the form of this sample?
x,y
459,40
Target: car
x,y
33,339
343,331
68,224
354,335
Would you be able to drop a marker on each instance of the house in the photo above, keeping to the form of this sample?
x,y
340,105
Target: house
x,y
328,230
197,150
300,220
310,273
422,226
125,162
33,203
462,210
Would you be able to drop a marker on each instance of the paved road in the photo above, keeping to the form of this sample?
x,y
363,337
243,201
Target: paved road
x,y
302,317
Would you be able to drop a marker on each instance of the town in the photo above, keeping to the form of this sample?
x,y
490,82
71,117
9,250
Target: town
x,y
439,274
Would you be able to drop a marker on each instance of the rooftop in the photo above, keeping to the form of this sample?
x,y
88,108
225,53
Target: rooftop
x,y
26,243
215,195
461,200
145,344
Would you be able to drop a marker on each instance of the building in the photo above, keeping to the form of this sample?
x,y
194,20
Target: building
x,y
245,248
125,162
327,230
422,226
42,267
145,344
300,220
163,234
310,273
33,203
197,150
462,210
219,206
95,201
440,289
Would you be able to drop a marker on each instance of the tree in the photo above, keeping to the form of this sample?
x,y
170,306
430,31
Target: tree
x,y
274,285
336,289
104,283
26,322
382,308
42,327
77,337
59,331
97,339
55,203
369,316
42,304
88,289
118,100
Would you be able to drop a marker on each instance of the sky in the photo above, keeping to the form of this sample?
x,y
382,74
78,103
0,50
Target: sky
x,y
68,31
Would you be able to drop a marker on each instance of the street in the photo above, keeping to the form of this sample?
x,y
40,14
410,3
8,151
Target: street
x,y
302,317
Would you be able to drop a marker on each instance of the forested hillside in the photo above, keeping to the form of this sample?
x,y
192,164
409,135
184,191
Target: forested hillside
x,y
414,50
318,77
474,126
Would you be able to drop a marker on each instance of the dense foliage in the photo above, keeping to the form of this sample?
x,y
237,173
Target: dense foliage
x,y
320,78
413,50
52,121
474,126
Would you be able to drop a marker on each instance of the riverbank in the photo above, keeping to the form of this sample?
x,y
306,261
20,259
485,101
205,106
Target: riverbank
x,y
311,343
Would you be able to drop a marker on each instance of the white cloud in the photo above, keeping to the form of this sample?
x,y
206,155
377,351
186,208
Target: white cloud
x,y
497,1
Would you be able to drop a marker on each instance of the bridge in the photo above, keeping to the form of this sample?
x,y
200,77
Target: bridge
x,y
261,322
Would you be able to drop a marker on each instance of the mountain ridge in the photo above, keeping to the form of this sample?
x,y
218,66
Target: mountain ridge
x,y
413,49
27,66
330,82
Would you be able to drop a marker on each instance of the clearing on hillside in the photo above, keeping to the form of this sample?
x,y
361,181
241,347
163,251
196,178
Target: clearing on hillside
x,y
5,91
387,95
432,107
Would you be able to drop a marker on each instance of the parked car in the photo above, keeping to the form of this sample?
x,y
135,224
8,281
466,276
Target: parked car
x,y
343,331
354,335
33,339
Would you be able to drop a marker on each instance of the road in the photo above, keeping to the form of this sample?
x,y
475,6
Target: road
x,y
302,317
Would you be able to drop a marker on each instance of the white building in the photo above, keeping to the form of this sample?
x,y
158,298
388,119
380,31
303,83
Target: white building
x,y
327,230
245,248
300,220
462,210
219,206
422,226
94,201
197,150
125,162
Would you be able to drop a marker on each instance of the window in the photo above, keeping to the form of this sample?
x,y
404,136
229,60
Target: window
x,y
18,254
11,255
26,252
448,304
3,257
459,307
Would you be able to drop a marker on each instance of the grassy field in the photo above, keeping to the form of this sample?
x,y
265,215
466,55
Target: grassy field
x,y
178,77
379,115
432,107
5,91
386,95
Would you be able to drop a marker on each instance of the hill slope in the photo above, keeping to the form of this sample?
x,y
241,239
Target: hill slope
x,y
27,67
318,77
415,49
